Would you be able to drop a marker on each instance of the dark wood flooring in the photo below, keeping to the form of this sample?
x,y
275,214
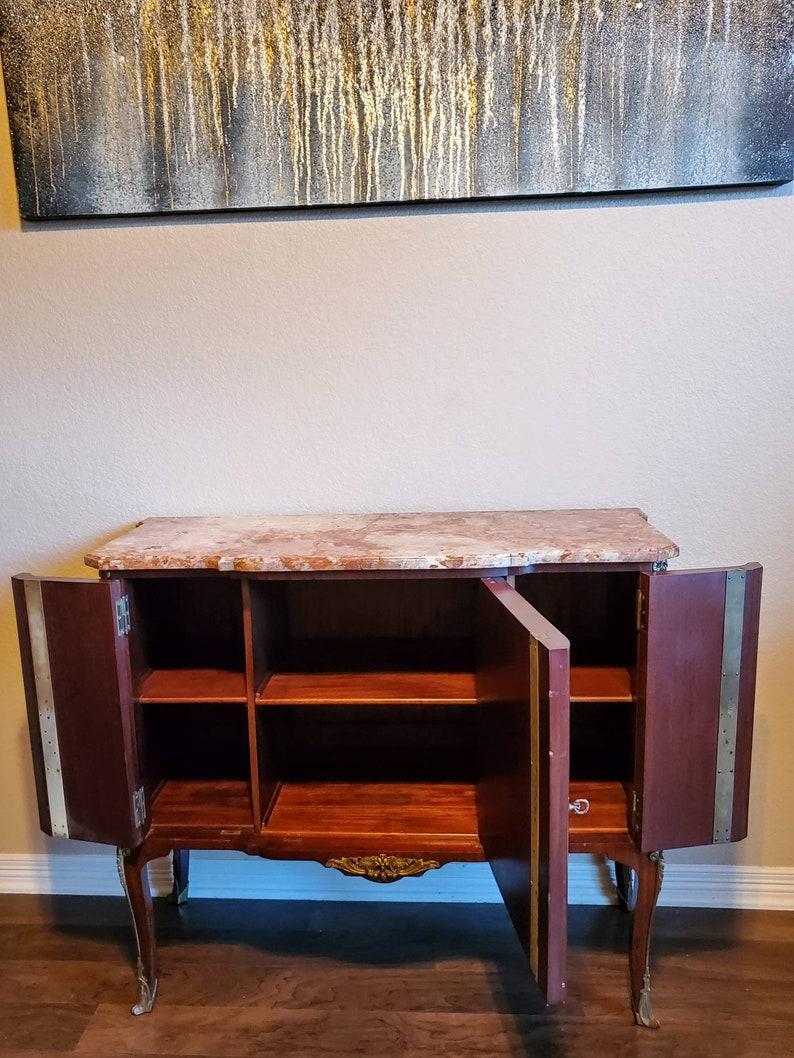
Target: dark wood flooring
x,y
313,980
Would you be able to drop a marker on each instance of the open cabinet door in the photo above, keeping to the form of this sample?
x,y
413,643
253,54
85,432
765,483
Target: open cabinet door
x,y
76,669
523,692
698,642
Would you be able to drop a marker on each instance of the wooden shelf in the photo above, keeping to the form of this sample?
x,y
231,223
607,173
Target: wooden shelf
x,y
608,810
375,817
588,684
199,805
313,819
192,685
369,688
592,684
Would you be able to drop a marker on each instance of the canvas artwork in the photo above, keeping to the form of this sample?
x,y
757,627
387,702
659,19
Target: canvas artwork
x,y
152,106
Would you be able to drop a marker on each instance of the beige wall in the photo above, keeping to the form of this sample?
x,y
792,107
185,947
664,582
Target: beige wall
x,y
639,351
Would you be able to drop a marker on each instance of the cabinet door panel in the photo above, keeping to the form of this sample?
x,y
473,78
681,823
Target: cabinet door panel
x,y
75,663
523,692
697,660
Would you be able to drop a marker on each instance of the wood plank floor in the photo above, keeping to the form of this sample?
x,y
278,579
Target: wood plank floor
x,y
314,980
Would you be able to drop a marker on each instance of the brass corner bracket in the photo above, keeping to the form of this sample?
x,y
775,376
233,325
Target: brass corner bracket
x,y
382,868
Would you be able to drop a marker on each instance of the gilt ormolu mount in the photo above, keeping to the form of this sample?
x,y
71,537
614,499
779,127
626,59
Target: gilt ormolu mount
x,y
386,694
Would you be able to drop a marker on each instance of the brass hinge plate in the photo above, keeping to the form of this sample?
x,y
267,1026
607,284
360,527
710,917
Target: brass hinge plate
x,y
123,615
635,811
139,807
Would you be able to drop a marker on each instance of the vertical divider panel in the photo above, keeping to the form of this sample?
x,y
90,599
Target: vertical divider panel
x,y
263,605
250,695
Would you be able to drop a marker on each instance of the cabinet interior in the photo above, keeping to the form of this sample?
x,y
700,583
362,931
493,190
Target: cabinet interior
x,y
187,652
597,613
330,706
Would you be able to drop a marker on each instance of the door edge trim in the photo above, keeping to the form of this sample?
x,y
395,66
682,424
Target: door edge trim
x,y
45,701
733,633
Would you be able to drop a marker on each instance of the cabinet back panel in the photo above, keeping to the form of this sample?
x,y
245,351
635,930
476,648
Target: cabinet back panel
x,y
373,743
596,611
194,741
367,654
387,609
602,741
188,622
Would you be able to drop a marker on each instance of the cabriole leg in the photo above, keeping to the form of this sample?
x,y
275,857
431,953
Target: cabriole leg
x,y
134,876
649,883
181,866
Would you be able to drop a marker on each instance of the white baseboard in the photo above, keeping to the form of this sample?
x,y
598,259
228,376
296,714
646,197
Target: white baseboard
x,y
250,878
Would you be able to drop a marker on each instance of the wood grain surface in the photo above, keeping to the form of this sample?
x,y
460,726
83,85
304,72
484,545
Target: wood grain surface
x,y
370,688
401,981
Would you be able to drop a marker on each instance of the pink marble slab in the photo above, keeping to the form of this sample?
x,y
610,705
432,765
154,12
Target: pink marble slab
x,y
470,540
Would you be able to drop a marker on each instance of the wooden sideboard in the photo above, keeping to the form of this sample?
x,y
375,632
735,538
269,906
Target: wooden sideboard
x,y
386,694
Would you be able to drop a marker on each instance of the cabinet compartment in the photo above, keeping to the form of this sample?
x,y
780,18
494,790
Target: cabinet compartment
x,y
363,682
188,670
377,642
422,818
606,817
195,761
364,626
195,740
386,743
602,742
189,805
598,613
187,639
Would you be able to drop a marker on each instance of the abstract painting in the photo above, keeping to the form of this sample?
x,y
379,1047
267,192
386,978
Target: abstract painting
x,y
158,106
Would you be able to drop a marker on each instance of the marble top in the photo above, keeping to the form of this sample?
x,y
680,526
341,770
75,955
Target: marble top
x,y
325,542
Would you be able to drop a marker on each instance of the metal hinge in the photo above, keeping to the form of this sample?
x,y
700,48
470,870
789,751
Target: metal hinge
x,y
139,807
635,810
123,615
639,619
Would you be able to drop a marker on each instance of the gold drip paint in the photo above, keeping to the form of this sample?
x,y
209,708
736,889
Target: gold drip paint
x,y
571,61
56,100
148,23
33,147
73,103
231,14
518,88
41,102
165,110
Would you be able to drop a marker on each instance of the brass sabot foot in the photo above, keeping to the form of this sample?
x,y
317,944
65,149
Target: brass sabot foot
x,y
147,993
643,1012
